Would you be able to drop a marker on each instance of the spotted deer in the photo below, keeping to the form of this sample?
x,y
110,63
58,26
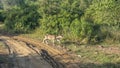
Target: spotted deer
x,y
52,38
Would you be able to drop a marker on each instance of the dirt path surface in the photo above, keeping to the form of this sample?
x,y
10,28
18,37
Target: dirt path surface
x,y
24,56
60,55
3,55
29,53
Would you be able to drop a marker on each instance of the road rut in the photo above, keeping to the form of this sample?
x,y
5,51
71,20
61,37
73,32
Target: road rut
x,y
22,56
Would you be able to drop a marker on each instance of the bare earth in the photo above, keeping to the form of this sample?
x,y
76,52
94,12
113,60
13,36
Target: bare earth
x,y
23,56
29,53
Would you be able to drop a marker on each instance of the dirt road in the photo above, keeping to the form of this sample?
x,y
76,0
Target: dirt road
x,y
24,56
29,53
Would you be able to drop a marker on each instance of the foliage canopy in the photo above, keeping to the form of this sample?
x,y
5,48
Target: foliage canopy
x,y
94,20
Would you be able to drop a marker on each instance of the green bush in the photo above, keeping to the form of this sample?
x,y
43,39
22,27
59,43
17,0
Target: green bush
x,y
22,20
2,17
105,14
76,20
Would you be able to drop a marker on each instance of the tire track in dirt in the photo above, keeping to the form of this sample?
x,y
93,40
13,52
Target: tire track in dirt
x,y
61,56
24,57
44,55
11,55
4,56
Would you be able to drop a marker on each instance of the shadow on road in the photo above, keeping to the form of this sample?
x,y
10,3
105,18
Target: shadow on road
x,y
5,62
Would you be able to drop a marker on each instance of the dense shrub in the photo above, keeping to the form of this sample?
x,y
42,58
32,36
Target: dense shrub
x,y
106,15
2,17
64,17
22,20
77,20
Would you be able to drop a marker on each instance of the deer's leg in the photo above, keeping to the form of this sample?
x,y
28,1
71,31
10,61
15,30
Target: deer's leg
x,y
58,40
53,42
43,40
46,41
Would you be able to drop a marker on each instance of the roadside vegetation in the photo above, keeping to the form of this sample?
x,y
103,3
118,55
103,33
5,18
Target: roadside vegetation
x,y
85,25
90,20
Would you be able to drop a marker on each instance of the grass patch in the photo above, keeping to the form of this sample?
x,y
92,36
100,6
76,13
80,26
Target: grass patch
x,y
37,34
91,57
